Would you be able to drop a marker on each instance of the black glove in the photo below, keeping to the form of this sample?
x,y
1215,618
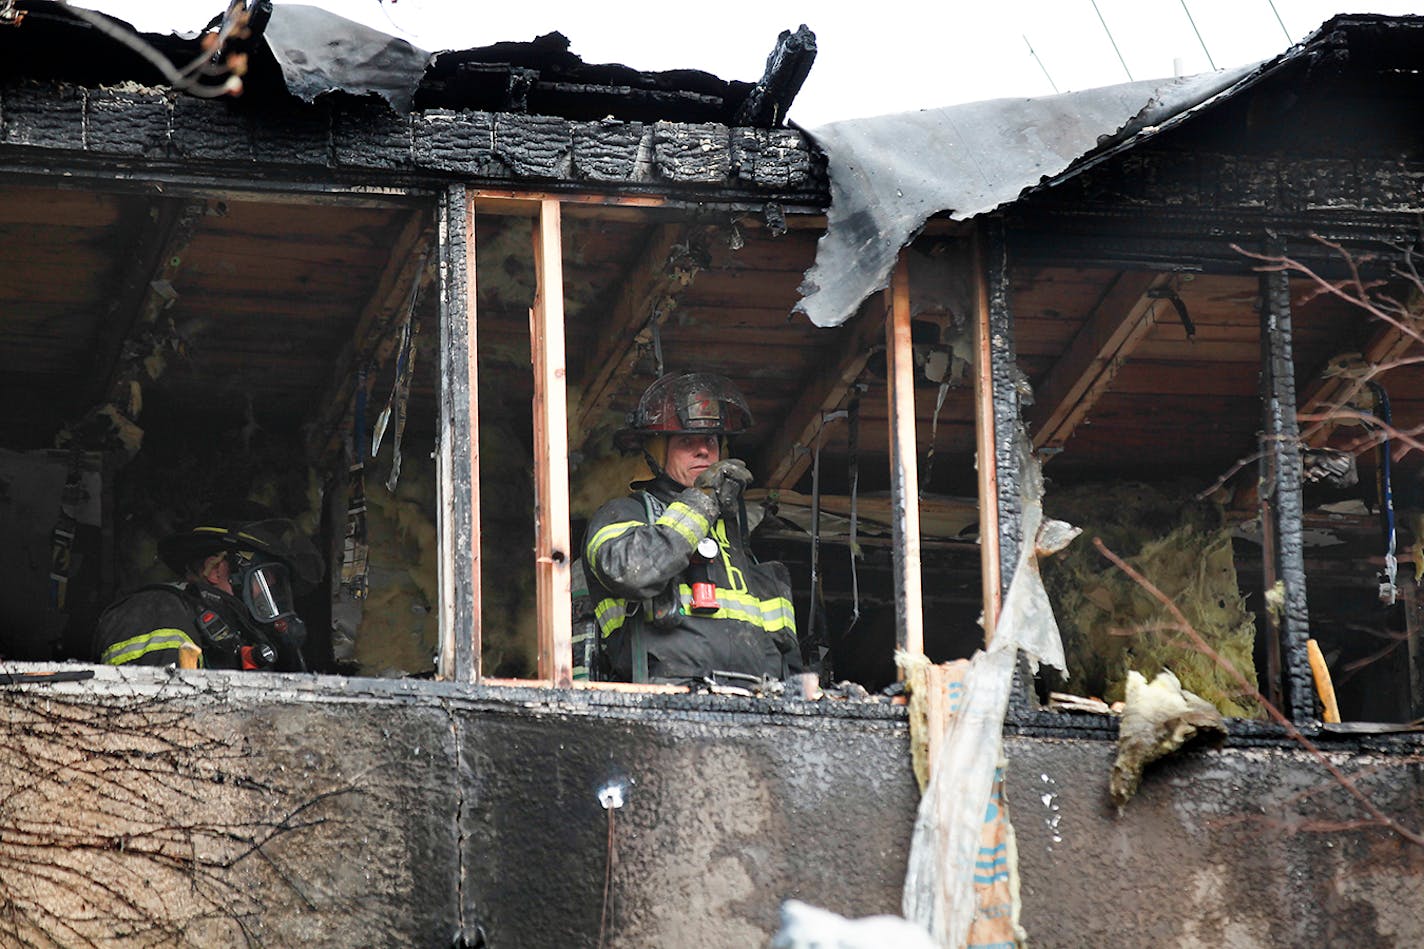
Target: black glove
x,y
723,482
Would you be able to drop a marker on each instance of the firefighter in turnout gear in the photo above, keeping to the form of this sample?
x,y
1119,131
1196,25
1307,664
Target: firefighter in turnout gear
x,y
676,592
235,601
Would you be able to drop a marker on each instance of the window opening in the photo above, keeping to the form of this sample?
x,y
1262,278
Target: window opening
x,y
1361,523
189,363
1145,392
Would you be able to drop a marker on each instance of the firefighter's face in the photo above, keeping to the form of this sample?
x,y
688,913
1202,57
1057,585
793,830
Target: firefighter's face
x,y
217,572
690,455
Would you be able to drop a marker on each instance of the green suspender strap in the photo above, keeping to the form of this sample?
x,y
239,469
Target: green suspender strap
x,y
638,640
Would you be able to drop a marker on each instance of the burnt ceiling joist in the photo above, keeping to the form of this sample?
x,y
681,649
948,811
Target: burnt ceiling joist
x,y
649,292
1069,390
146,289
788,452
411,262
136,339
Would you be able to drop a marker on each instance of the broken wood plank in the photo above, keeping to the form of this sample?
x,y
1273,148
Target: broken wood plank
x,y
376,334
1117,324
904,465
650,292
553,557
788,452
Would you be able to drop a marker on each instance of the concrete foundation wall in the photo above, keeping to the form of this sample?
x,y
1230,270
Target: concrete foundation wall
x,y
216,809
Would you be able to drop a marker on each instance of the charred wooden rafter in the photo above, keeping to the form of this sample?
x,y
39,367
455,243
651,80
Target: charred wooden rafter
x,y
786,70
376,331
146,292
136,338
650,290
788,452
1068,392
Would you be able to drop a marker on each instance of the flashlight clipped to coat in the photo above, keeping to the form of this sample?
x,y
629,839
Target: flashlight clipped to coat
x,y
704,591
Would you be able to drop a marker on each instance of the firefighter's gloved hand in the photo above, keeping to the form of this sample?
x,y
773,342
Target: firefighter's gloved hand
x,y
724,481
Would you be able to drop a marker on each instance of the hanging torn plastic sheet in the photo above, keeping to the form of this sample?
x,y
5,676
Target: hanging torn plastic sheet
x,y
399,399
946,890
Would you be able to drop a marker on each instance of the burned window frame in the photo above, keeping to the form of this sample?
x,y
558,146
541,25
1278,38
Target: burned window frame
x,y
458,465
1244,245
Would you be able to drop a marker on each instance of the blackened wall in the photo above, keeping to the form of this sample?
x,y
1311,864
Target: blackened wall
x,y
233,809
1253,846
425,814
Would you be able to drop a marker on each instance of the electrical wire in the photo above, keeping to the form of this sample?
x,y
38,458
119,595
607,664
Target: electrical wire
x,y
1111,40
1209,60
1032,53
1280,21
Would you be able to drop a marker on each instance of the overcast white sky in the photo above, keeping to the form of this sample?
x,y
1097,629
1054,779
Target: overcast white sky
x,y
876,57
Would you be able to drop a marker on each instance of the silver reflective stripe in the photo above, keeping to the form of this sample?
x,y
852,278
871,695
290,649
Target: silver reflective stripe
x,y
690,525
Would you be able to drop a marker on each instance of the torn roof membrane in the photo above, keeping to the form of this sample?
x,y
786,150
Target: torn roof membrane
x,y
319,52
890,174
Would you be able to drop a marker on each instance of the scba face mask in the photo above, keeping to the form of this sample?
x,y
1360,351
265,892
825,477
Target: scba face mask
x,y
267,593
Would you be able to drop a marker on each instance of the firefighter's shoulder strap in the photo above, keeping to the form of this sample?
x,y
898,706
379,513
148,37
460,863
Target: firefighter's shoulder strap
x,y
212,628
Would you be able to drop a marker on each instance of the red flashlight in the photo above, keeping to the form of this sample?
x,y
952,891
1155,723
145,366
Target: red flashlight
x,y
704,591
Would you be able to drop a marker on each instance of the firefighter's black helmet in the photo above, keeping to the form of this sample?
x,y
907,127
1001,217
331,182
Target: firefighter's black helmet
x,y
275,537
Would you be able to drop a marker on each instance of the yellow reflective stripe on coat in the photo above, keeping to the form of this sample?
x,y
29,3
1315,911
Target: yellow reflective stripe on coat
x,y
141,645
609,532
687,522
772,614
610,614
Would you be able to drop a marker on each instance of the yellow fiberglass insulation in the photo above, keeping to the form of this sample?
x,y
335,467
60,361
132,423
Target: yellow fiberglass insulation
x,y
1111,625
400,625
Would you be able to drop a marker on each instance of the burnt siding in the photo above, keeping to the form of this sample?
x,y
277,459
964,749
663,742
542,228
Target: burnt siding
x,y
363,136
429,814
1243,846
401,813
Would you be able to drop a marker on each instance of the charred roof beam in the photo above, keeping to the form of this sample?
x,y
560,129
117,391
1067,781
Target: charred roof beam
x,y
828,388
786,70
651,289
1084,373
376,330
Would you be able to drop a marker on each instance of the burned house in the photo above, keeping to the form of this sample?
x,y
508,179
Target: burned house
x,y
486,255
